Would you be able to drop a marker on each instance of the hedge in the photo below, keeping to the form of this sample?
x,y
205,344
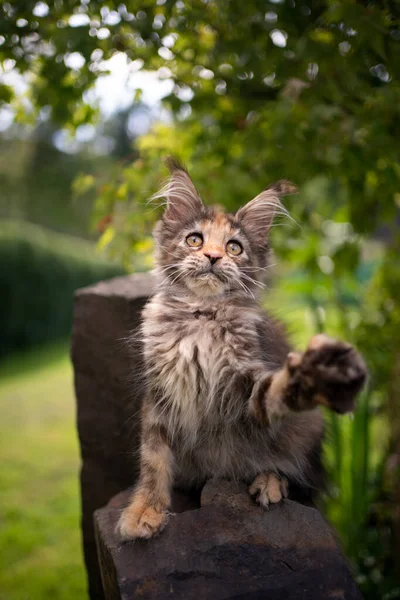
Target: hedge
x,y
39,272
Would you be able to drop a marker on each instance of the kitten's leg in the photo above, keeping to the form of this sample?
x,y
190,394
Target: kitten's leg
x,y
147,512
269,488
328,373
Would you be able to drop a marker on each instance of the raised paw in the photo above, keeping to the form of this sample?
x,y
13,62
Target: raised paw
x,y
330,373
268,488
141,520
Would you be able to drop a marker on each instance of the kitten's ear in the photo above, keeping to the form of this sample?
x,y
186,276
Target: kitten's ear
x,y
183,200
258,214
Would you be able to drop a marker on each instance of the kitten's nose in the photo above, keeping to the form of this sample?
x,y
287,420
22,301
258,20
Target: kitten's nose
x,y
213,256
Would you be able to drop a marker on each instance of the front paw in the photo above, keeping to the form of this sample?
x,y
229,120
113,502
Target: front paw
x,y
140,519
330,373
268,488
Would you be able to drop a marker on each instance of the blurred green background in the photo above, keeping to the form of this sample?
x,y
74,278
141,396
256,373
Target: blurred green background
x,y
92,95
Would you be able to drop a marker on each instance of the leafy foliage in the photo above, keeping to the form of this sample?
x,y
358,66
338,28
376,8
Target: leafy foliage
x,y
36,181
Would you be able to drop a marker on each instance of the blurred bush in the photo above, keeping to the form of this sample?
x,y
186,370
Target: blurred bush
x,y
39,272
36,181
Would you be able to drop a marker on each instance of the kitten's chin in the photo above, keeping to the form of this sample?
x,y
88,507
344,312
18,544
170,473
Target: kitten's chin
x,y
206,285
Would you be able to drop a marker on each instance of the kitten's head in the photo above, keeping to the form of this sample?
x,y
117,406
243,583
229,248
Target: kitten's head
x,y
208,251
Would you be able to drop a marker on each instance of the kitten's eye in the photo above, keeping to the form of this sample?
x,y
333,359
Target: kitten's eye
x,y
194,240
234,248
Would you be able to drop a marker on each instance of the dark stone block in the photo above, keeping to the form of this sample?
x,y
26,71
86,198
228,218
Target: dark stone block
x,y
107,385
228,548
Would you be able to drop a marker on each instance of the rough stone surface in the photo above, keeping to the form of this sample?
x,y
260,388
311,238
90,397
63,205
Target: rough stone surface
x,y
228,548
107,384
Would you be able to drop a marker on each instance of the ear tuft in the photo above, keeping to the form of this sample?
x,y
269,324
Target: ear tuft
x,y
183,202
283,188
173,164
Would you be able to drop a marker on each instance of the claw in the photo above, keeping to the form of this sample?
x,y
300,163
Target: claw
x,y
319,340
294,360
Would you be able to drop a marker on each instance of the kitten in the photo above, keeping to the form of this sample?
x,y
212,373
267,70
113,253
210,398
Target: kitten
x,y
225,395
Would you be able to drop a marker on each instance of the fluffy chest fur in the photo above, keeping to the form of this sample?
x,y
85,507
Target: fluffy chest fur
x,y
195,353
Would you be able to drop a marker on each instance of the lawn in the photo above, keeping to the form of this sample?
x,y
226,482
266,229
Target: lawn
x,y
40,546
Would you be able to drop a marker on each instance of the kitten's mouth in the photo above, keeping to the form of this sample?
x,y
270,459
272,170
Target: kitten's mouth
x,y
208,281
210,273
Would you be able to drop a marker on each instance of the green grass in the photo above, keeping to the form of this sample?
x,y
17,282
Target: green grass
x,y
40,545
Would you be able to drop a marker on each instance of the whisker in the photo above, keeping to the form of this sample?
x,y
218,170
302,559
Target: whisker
x,y
257,283
246,289
258,268
160,270
180,274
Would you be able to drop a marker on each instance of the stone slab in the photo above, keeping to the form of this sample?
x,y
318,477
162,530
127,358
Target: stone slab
x,y
229,548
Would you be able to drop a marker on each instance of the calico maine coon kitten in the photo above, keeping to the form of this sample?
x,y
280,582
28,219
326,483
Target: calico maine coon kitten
x,y
225,395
